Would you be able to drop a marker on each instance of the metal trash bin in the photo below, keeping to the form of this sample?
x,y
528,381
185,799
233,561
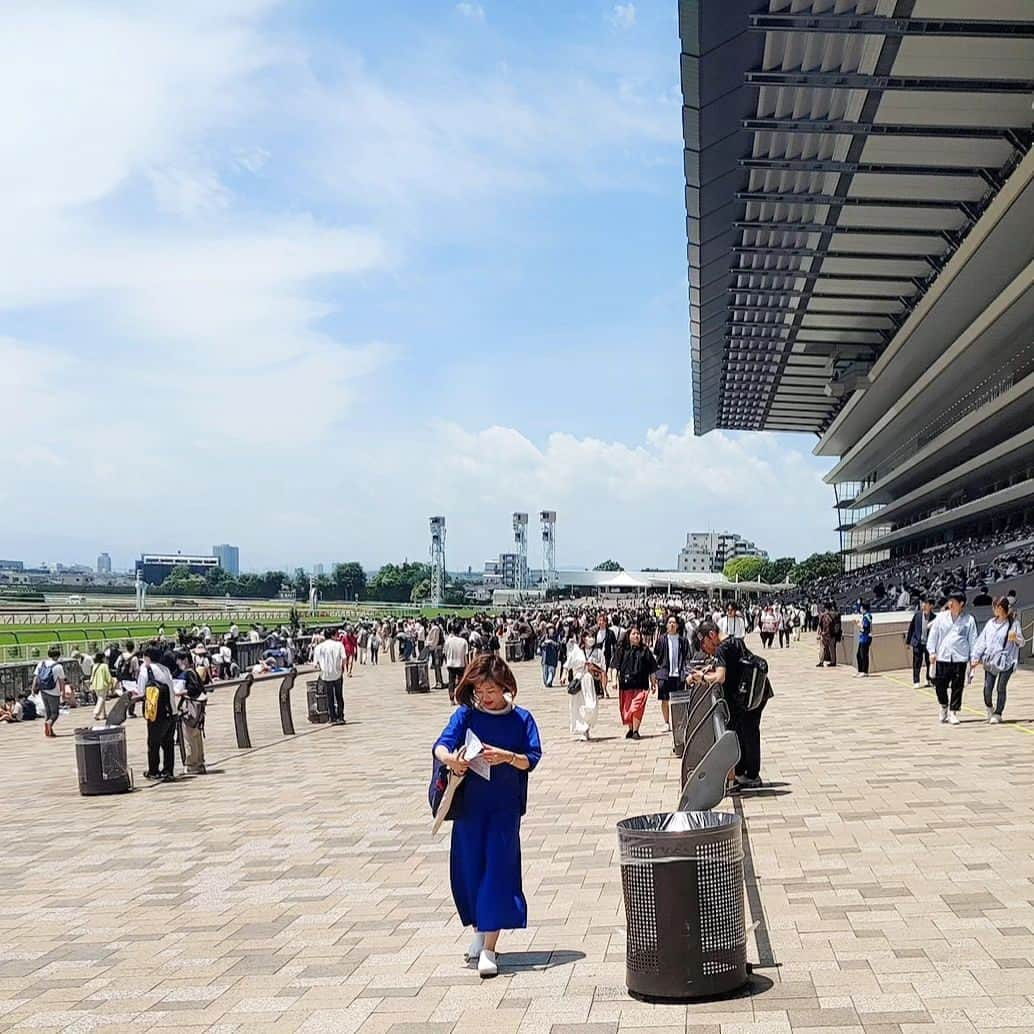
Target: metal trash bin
x,y
680,702
417,679
682,877
316,702
102,761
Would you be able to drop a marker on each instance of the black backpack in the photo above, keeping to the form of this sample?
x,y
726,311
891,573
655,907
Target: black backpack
x,y
754,685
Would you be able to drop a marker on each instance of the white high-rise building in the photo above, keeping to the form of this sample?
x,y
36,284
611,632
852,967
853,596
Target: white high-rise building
x,y
712,550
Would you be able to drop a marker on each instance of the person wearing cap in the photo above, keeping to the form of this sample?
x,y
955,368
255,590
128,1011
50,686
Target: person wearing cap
x,y
953,636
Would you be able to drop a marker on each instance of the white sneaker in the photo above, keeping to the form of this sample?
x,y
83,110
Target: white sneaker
x,y
953,718
477,946
487,965
916,685
944,715
990,715
996,719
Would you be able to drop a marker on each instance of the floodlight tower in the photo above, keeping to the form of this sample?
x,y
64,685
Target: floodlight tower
x,y
437,561
548,519
520,538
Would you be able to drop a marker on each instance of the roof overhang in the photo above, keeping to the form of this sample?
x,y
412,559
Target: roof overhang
x,y
835,163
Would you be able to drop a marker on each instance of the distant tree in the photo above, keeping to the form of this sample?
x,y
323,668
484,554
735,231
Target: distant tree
x,y
420,591
394,583
455,594
775,571
181,582
818,565
608,565
744,569
350,580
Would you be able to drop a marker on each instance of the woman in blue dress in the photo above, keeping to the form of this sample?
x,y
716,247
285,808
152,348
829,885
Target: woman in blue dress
x,y
485,857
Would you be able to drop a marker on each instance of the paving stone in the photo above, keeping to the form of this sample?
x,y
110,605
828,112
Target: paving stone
x,y
286,893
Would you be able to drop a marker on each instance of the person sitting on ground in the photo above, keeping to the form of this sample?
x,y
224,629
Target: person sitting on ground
x,y
11,712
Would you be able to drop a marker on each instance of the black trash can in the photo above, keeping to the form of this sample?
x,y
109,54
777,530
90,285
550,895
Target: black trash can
x,y
514,650
102,761
682,877
316,700
417,679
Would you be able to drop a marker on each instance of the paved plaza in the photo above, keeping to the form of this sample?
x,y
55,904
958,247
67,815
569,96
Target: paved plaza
x,y
298,887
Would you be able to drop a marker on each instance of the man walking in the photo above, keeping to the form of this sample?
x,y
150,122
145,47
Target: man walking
x,y
916,637
329,657
435,641
455,651
550,650
49,681
953,636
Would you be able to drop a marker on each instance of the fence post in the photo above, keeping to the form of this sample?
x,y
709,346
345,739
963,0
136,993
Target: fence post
x,y
240,711
286,720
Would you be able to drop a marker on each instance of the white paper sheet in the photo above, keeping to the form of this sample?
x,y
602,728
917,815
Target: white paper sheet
x,y
472,754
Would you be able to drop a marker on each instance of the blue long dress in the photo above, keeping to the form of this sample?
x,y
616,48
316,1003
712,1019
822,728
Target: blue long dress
x,y
485,859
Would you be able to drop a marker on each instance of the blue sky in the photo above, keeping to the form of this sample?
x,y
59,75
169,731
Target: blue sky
x,y
297,275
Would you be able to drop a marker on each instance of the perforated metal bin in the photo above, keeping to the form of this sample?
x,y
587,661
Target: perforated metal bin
x,y
317,703
102,762
682,877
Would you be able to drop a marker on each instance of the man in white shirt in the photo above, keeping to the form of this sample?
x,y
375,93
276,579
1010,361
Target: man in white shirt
x,y
435,638
456,652
49,681
329,657
953,635
904,599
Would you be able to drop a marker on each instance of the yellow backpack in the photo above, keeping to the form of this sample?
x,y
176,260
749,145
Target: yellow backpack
x,y
152,696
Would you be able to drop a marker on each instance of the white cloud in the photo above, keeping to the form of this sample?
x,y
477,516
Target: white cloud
x,y
470,139
622,16
475,12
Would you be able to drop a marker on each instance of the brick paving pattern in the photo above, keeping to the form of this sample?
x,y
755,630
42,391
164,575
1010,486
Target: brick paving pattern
x,y
298,887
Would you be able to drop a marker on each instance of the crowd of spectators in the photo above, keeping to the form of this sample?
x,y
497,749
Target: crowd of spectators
x,y
971,565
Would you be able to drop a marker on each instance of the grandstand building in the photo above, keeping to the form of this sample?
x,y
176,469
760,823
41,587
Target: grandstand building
x,y
154,568
860,203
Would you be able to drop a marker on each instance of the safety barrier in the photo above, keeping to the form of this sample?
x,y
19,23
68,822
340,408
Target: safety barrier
x,y
711,751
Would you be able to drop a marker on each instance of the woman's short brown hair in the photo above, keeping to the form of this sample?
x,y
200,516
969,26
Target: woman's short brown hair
x,y
486,667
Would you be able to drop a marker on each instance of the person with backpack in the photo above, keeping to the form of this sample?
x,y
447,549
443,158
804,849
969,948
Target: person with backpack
x,y
191,699
732,661
155,687
998,650
864,641
49,681
127,673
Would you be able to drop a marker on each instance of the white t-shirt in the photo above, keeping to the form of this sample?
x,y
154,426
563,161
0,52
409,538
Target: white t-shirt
x,y
455,652
329,657
732,627
59,674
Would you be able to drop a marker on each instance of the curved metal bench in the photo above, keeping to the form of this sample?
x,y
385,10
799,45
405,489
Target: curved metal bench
x,y
712,750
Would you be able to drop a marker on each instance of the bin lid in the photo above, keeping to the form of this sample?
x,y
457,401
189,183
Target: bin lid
x,y
679,822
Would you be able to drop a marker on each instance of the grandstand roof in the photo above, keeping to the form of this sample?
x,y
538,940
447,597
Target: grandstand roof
x,y
838,155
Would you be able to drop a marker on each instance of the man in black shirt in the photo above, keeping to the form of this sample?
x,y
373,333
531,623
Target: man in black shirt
x,y
727,672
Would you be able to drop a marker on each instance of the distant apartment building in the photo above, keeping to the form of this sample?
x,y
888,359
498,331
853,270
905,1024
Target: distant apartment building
x,y
12,565
103,564
712,550
229,558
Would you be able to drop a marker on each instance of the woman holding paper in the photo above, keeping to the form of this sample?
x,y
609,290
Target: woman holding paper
x,y
499,744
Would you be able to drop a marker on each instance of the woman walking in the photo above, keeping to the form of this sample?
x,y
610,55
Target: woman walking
x,y
584,668
485,855
998,650
102,682
635,664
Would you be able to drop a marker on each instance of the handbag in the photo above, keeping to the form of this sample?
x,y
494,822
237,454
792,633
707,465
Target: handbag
x,y
445,795
574,688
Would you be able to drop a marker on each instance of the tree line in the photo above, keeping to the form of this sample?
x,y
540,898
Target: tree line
x,y
393,583
773,572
